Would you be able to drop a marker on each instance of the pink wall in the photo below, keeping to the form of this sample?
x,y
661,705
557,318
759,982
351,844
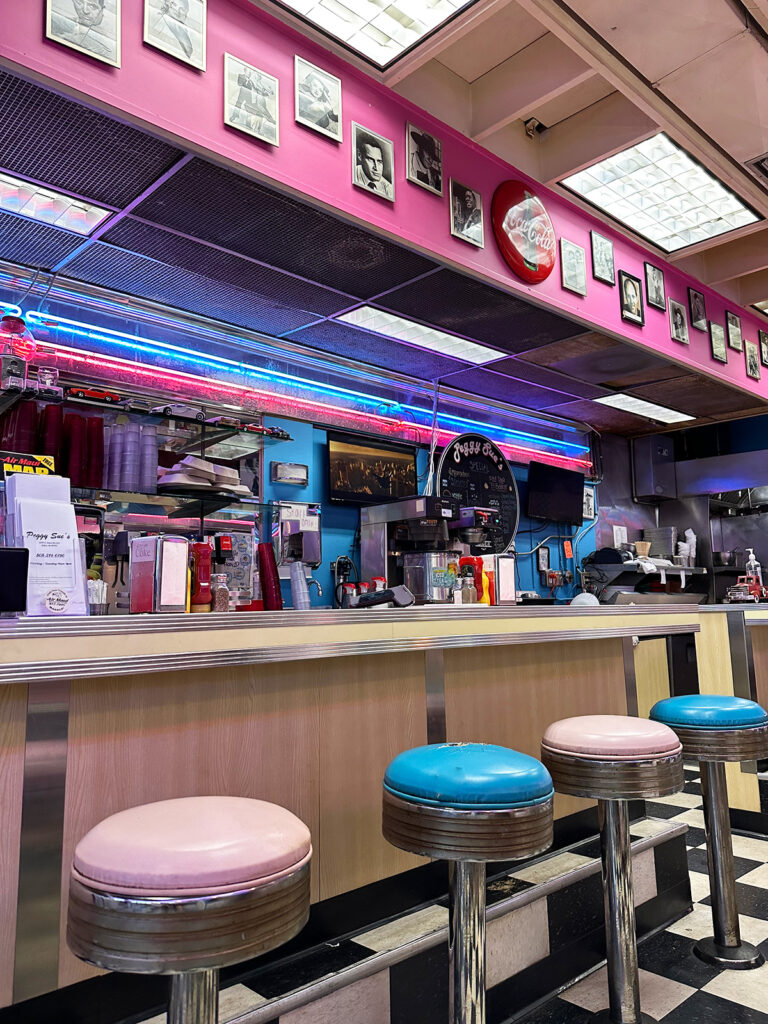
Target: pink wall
x,y
161,93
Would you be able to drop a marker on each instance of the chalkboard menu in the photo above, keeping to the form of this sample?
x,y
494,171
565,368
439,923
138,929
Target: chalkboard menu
x,y
475,472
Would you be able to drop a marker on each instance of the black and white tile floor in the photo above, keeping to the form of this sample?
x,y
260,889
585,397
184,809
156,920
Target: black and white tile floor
x,y
675,986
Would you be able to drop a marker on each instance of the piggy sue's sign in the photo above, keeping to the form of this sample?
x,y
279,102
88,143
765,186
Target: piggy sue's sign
x,y
523,231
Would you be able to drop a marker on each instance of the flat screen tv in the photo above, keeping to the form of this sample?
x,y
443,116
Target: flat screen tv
x,y
555,494
362,472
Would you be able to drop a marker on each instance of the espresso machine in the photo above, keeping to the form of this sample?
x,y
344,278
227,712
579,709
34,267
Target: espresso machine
x,y
408,542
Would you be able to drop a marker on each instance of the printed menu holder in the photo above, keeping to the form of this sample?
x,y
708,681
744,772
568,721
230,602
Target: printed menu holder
x,y
56,582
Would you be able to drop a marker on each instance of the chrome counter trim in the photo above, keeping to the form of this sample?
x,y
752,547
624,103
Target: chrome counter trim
x,y
12,629
88,668
36,967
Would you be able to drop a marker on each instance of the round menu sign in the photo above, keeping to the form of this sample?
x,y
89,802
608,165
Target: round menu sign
x,y
475,472
523,231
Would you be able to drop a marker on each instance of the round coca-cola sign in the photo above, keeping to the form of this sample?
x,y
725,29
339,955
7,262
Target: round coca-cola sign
x,y
523,231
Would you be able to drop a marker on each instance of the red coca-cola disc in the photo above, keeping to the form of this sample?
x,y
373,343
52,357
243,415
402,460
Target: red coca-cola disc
x,y
523,231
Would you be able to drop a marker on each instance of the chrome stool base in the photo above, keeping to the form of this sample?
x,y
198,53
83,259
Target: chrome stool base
x,y
194,998
604,1017
744,957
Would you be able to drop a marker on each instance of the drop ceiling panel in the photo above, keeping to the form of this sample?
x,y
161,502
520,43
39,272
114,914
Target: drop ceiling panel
x,y
351,343
463,306
219,206
208,262
601,361
604,419
656,36
135,275
491,43
546,378
65,144
505,389
697,396
34,245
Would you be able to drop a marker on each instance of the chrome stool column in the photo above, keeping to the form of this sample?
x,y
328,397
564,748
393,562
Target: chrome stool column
x,y
714,729
614,759
185,887
467,803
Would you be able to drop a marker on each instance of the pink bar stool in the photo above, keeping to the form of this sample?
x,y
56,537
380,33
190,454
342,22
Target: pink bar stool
x,y
614,759
188,886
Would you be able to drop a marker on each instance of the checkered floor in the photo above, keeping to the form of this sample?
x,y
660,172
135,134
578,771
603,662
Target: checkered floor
x,y
675,986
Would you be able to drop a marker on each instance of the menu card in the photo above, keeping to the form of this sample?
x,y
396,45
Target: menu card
x,y
56,581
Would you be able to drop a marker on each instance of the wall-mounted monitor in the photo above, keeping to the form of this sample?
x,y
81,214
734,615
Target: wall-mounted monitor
x,y
555,494
362,472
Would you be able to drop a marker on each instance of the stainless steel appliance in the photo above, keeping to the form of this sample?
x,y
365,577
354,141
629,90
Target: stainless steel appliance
x,y
431,575
412,526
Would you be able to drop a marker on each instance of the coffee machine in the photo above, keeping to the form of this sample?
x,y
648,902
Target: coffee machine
x,y
409,542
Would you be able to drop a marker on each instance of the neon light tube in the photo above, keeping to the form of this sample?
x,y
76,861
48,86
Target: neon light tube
x,y
182,379
8,309
194,358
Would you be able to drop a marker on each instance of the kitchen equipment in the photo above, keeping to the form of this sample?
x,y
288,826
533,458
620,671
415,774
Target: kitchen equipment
x,y
388,532
431,575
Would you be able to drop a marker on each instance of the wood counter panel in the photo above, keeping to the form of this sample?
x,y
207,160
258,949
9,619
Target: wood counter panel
x,y
510,695
253,732
759,636
651,674
370,710
13,731
713,657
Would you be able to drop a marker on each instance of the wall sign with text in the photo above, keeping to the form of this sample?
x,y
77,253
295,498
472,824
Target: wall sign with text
x,y
36,465
523,231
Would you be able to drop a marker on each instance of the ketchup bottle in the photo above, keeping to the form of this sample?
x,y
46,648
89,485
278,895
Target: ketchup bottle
x,y
201,577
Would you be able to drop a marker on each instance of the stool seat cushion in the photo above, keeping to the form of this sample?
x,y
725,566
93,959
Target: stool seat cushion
x,y
468,776
611,738
709,711
192,846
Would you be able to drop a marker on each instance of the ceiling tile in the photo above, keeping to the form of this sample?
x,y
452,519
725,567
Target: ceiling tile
x,y
505,389
32,244
545,377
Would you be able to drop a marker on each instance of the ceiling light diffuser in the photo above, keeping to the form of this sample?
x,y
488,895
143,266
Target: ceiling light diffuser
x,y
391,326
379,30
661,193
49,207
648,410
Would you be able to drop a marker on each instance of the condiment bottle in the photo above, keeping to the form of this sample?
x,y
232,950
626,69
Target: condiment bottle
x,y
219,592
486,596
468,591
200,600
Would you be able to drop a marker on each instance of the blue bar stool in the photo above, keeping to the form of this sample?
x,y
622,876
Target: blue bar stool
x,y
714,729
468,803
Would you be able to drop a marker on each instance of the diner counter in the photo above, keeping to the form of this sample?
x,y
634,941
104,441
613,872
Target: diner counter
x,y
82,647
305,709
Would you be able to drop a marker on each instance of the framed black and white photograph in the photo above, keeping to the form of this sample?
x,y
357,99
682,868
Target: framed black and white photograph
x,y
733,326
678,322
762,339
654,287
318,99
573,267
251,100
373,162
466,214
588,502
752,356
698,309
717,341
177,27
88,26
631,298
424,159
602,258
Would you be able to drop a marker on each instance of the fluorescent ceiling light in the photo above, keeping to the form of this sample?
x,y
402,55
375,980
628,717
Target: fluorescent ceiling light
x,y
661,193
762,306
649,410
379,30
398,327
49,207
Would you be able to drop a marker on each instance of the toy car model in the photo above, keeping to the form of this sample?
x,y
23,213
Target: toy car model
x,y
179,409
139,405
747,588
277,432
93,394
254,428
224,421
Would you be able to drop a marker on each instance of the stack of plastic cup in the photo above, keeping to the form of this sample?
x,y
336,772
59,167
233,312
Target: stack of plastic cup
x,y
130,462
115,457
148,461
